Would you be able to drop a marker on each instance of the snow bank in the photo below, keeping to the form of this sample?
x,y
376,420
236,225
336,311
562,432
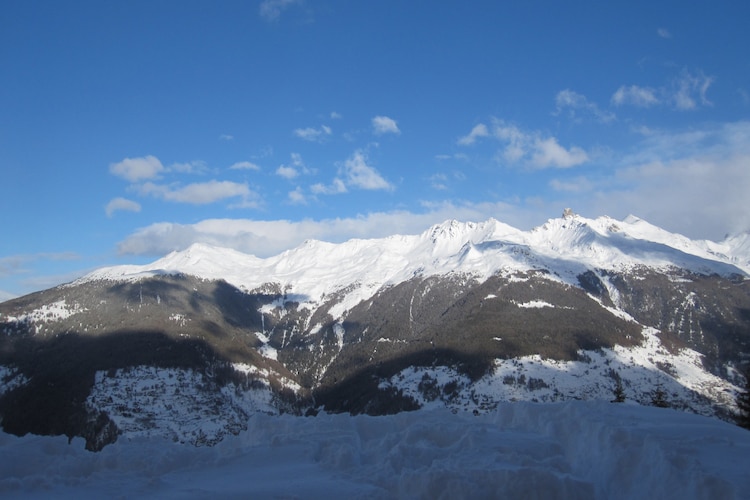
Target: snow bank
x,y
521,450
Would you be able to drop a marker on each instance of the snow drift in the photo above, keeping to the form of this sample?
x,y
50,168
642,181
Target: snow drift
x,y
521,450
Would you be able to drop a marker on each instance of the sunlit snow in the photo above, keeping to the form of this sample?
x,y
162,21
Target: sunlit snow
x,y
47,313
534,304
357,269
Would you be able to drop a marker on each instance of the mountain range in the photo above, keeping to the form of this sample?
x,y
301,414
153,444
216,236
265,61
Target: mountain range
x,y
464,315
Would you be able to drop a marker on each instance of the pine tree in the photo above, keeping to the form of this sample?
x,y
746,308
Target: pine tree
x,y
618,391
659,397
743,403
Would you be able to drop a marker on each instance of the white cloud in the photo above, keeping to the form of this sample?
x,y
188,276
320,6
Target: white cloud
x,y
439,181
518,143
208,192
313,134
150,167
533,149
664,33
688,87
335,115
244,165
337,186
442,180
694,182
642,97
121,204
455,156
226,137
297,160
569,99
137,169
548,153
577,104
201,193
357,173
685,92
271,10
297,197
478,131
295,168
354,173
702,197
287,172
661,145
384,125
192,167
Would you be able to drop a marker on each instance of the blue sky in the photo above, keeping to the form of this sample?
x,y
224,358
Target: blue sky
x,y
130,129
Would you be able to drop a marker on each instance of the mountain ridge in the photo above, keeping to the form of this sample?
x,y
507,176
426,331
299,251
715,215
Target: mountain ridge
x,y
464,315
574,238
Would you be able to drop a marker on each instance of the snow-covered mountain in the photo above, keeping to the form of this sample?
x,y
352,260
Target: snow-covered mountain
x,y
566,247
463,315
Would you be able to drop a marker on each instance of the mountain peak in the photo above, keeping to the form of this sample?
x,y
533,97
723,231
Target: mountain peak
x,y
568,245
632,219
568,213
450,228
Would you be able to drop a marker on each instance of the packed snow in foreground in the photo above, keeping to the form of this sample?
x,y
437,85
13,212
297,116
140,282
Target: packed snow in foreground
x,y
521,450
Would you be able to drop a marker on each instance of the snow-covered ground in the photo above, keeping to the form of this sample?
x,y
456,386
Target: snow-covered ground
x,y
180,405
55,311
520,450
641,369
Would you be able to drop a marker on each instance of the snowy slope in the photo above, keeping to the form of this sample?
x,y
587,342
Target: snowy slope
x,y
565,246
640,369
521,450
734,248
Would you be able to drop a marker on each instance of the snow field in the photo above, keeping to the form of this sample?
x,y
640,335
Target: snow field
x,y
179,405
55,311
531,378
520,450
